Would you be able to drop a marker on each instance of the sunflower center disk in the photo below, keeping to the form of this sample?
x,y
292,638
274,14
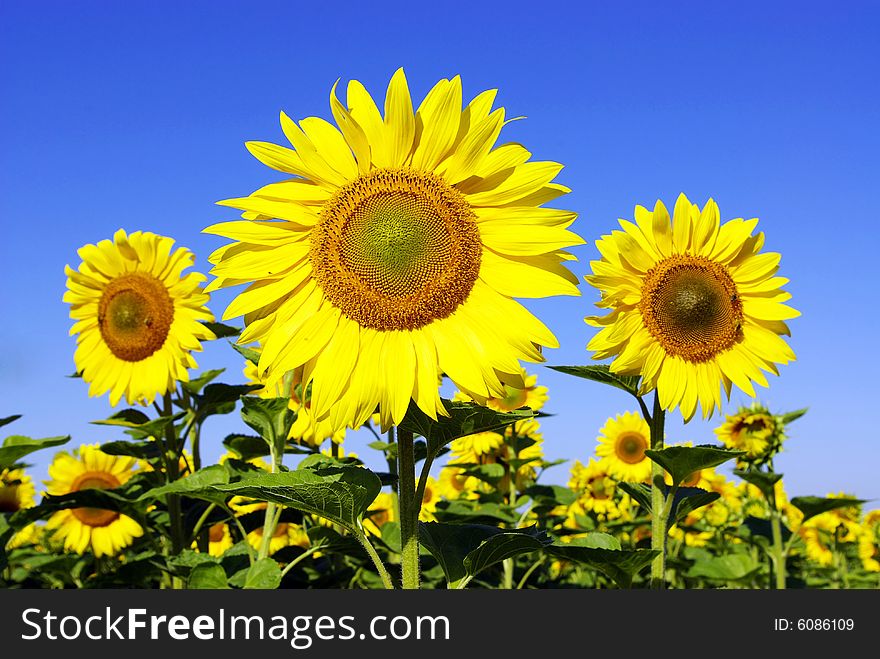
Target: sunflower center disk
x,y
396,249
630,448
135,315
95,517
690,305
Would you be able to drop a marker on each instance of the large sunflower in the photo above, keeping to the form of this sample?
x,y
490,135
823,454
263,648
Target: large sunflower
x,y
137,317
395,252
623,441
691,303
106,532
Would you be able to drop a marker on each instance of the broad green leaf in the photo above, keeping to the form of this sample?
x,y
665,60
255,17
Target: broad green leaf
x,y
218,393
602,373
638,491
16,447
391,536
247,447
127,418
222,331
764,528
9,419
763,480
595,540
619,565
263,575
143,450
115,500
687,500
788,417
253,356
464,419
190,559
340,494
727,567
464,550
489,473
133,421
208,576
335,542
270,417
551,495
682,461
812,506
473,511
195,385
199,485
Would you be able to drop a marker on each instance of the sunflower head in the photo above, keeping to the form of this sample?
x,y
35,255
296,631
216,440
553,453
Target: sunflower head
x,y
138,318
104,532
623,441
16,491
754,430
693,305
375,265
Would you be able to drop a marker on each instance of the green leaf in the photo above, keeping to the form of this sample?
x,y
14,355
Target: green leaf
x,y
208,576
764,528
638,491
595,540
472,511
190,559
788,417
728,567
253,356
222,331
16,447
682,461
391,536
465,418
263,575
199,485
341,494
464,550
551,495
144,450
196,384
89,498
812,506
136,426
218,393
9,419
763,480
619,565
247,447
602,373
687,500
270,417
488,473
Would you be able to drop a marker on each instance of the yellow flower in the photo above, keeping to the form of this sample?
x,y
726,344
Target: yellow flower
x,y
219,539
595,487
31,534
520,390
380,513
138,318
16,491
380,262
453,484
692,305
286,534
429,500
869,543
105,532
753,430
480,448
622,444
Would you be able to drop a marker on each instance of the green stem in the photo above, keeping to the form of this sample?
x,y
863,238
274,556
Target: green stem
x,y
778,549
525,577
201,522
175,515
409,510
270,521
380,566
308,552
658,503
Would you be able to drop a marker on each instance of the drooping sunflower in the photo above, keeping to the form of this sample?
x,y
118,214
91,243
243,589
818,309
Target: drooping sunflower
x,y
382,261
381,512
623,441
520,391
219,539
692,303
105,532
138,318
753,430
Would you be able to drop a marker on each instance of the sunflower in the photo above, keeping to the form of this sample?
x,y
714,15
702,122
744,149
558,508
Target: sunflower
x,y
429,501
385,257
691,303
453,483
520,389
869,544
380,513
16,491
286,534
753,430
219,539
623,441
479,448
105,532
595,487
138,318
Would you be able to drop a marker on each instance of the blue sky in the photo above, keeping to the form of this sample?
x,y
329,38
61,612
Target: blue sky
x,y
134,115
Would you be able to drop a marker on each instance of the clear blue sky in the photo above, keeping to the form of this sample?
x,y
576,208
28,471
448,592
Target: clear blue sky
x,y
134,115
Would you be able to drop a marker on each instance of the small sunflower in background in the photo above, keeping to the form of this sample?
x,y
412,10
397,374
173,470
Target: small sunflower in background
x,y
381,512
286,534
16,491
138,318
623,441
103,532
430,499
378,263
754,430
219,539
692,305
520,390
869,542
595,487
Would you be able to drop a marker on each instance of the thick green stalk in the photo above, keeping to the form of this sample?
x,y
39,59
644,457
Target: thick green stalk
x,y
273,512
778,549
658,501
172,473
409,510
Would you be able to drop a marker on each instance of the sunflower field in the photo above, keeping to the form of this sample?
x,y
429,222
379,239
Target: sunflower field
x,y
378,275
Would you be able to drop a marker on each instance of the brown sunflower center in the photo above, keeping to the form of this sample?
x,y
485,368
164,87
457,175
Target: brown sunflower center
x,y
135,315
10,501
396,249
216,532
691,306
630,447
599,488
95,480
